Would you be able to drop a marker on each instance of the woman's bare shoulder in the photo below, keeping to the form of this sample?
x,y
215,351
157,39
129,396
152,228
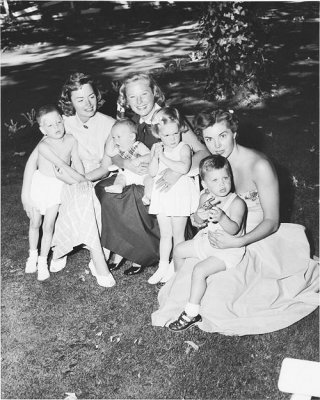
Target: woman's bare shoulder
x,y
254,157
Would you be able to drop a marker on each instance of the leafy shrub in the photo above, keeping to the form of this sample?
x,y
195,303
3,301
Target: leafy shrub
x,y
229,41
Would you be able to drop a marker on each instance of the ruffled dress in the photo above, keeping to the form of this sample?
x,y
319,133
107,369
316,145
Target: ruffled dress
x,y
275,285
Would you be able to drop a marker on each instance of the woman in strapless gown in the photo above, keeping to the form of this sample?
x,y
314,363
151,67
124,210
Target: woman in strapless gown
x,y
276,283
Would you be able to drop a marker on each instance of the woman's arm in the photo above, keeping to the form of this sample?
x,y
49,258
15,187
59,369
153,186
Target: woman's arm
x,y
182,166
199,149
266,181
29,170
267,184
140,169
47,153
76,161
154,159
102,171
169,177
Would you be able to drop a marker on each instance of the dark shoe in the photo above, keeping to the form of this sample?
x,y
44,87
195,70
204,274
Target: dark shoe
x,y
184,322
114,267
133,270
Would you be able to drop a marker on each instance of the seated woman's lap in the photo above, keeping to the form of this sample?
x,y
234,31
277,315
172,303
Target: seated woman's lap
x,y
127,228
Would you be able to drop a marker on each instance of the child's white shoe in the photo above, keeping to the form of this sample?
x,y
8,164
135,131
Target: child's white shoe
x,y
114,189
105,281
43,272
58,265
31,265
159,274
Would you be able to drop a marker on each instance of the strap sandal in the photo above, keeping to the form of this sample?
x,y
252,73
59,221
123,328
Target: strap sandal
x,y
115,267
184,322
133,270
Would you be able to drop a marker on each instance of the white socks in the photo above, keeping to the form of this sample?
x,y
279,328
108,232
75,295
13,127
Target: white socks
x,y
43,272
192,310
160,272
32,261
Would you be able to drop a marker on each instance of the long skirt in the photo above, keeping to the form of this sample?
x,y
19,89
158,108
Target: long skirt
x,y
127,228
275,285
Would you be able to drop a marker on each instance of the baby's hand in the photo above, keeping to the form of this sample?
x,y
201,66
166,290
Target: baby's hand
x,y
215,214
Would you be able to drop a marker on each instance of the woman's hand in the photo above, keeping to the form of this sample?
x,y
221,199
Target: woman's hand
x,y
141,169
222,240
84,186
168,179
27,205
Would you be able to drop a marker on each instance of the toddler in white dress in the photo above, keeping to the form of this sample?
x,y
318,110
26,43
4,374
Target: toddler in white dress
x,y
174,206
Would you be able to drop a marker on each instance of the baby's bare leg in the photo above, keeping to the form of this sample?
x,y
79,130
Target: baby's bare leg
x,y
118,185
201,271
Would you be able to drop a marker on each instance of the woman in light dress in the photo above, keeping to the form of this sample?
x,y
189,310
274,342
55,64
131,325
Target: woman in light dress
x,y
276,283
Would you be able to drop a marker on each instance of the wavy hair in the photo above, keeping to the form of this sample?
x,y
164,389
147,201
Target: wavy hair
x,y
157,92
210,117
165,116
73,83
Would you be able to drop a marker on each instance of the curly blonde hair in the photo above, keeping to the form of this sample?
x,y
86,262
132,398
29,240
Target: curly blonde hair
x,y
73,83
164,116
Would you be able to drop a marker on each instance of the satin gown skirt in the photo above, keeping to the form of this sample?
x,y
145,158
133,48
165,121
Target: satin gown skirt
x,y
275,285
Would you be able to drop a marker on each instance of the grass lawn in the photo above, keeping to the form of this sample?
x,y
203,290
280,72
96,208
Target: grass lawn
x,y
68,335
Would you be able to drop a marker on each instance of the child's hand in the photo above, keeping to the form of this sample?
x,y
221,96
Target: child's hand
x,y
203,214
157,150
215,214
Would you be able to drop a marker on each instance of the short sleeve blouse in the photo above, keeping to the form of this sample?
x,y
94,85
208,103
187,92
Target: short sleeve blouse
x,y
91,137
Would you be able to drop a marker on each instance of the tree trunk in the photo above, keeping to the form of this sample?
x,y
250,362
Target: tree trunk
x,y
6,7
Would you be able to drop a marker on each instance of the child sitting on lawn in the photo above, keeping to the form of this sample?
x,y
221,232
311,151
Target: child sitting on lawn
x,y
55,150
215,172
124,143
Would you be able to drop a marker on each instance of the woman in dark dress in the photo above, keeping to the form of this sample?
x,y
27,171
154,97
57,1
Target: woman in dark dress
x,y
127,228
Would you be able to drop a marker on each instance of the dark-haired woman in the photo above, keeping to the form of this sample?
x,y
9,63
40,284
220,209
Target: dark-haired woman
x,y
276,283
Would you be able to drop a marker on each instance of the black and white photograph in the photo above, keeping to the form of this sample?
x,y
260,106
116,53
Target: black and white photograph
x,y
160,200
